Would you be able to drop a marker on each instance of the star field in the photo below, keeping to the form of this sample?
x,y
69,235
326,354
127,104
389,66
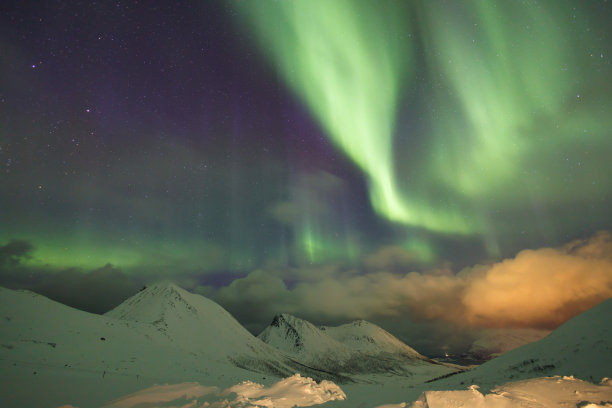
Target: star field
x,y
299,140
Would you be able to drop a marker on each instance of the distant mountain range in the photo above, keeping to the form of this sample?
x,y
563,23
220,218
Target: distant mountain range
x,y
352,349
200,327
164,334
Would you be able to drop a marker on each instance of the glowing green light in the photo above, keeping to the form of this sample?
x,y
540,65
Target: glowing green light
x,y
69,253
348,60
421,249
514,110
63,249
317,243
308,243
507,71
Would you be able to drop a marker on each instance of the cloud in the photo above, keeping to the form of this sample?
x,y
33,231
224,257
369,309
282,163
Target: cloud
x,y
97,291
383,294
542,288
255,299
537,288
390,258
599,246
14,252
285,212
312,195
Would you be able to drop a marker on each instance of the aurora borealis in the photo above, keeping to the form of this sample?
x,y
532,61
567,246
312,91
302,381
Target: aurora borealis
x,y
506,86
248,149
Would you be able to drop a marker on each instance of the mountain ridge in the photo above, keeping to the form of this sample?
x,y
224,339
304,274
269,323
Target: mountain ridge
x,y
199,325
355,348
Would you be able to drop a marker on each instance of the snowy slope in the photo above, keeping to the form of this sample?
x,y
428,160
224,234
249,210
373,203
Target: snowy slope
x,y
51,353
297,391
358,349
495,342
562,392
581,347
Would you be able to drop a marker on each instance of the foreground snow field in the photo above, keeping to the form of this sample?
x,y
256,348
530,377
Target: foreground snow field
x,y
287,393
566,392
297,391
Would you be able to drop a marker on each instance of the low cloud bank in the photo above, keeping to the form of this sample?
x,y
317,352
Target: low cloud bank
x,y
95,291
539,288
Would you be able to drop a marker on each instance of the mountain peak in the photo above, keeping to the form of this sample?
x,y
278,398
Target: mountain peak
x,y
188,320
285,319
356,347
286,327
163,286
367,337
154,302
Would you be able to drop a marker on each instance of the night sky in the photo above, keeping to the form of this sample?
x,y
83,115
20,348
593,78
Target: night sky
x,y
415,163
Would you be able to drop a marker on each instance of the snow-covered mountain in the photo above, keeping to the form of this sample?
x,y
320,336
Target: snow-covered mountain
x,y
198,325
581,347
51,354
161,335
367,337
305,342
355,348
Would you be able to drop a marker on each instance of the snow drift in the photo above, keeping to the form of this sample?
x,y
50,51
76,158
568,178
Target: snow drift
x,y
561,392
295,391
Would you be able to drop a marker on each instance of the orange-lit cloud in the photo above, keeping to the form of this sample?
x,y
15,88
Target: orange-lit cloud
x,y
537,288
542,288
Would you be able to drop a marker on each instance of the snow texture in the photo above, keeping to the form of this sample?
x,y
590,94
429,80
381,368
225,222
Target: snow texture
x,y
295,391
562,392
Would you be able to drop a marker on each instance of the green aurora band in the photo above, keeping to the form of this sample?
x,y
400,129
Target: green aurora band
x,y
477,121
350,71
504,90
